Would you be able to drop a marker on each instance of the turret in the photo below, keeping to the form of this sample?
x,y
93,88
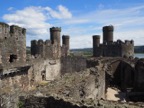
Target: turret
x,y
55,40
55,35
96,40
108,34
65,40
96,43
34,44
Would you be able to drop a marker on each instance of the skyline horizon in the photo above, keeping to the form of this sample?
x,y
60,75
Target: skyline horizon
x,y
80,20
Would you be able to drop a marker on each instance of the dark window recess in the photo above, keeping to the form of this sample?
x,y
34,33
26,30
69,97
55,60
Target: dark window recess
x,y
43,75
5,37
12,58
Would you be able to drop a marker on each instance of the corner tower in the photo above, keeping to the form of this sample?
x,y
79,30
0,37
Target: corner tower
x,y
96,43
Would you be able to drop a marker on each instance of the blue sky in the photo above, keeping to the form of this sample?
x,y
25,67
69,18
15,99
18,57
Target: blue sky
x,y
78,18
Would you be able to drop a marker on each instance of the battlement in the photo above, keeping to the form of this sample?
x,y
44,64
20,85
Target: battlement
x,y
55,29
34,42
13,29
40,42
4,28
65,37
118,42
48,42
108,28
127,42
17,29
96,36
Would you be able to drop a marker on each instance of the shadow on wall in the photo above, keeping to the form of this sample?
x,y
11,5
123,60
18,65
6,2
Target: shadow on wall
x,y
46,102
13,73
122,76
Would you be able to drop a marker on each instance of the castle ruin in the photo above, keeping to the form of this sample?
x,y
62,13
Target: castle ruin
x,y
12,44
109,48
54,79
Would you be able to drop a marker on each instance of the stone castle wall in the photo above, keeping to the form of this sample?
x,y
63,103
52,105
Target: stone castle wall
x,y
72,64
12,43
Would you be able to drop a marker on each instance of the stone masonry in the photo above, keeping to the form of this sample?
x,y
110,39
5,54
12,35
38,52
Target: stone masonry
x,y
12,43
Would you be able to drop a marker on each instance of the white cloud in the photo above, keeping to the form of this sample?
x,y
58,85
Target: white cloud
x,y
80,41
62,13
128,23
10,8
36,20
31,18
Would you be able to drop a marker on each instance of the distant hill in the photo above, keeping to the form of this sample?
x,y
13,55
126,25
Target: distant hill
x,y
139,49
82,49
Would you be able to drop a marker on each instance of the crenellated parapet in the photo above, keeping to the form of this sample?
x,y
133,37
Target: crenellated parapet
x,y
55,29
6,31
14,29
127,42
40,42
108,28
4,28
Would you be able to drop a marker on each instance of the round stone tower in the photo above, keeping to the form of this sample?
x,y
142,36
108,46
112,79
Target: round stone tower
x,y
65,40
55,35
96,40
96,43
108,34
55,40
